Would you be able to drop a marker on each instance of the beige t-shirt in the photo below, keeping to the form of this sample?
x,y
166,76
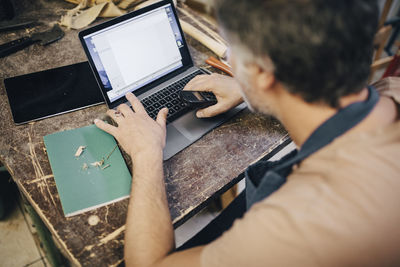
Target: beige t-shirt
x,y
341,207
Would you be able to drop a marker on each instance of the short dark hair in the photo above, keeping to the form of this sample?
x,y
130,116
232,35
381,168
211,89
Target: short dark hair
x,y
321,49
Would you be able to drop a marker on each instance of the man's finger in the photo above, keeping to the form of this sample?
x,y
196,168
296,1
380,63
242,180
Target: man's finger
x,y
210,111
115,115
108,128
162,117
125,110
193,81
135,102
198,83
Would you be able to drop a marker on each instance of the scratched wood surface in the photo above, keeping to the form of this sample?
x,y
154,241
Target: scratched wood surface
x,y
192,177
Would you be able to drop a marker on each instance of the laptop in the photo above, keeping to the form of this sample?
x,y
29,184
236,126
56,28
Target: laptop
x,y
145,52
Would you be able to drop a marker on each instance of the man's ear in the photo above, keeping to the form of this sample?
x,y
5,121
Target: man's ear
x,y
264,79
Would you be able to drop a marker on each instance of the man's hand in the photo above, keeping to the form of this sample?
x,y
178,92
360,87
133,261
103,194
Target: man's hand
x,y
148,242
136,132
226,89
387,83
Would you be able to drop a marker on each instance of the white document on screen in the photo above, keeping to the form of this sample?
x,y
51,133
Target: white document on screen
x,y
137,51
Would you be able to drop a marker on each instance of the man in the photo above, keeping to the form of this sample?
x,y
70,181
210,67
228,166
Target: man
x,y
332,203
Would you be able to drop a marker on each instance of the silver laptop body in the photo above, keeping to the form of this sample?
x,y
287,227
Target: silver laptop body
x,y
144,52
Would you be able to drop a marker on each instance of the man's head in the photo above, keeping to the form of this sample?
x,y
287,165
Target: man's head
x,y
319,50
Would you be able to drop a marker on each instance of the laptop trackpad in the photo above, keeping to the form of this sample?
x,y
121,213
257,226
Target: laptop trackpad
x,y
175,142
193,128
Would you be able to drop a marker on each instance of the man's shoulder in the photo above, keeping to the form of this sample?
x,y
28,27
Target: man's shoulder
x,y
354,162
346,191
378,149
339,206
357,177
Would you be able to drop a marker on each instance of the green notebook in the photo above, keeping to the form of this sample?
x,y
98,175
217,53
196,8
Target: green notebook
x,y
93,178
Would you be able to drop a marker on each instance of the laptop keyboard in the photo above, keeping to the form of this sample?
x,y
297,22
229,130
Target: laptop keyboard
x,y
169,97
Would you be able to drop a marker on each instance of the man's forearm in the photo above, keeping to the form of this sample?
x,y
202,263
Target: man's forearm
x,y
149,233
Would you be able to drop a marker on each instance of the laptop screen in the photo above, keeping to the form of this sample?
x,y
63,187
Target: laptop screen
x,y
137,51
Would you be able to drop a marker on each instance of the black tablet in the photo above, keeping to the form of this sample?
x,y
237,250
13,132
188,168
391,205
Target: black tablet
x,y
51,92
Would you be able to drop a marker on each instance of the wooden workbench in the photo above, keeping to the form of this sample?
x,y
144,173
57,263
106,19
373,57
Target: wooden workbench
x,y
193,177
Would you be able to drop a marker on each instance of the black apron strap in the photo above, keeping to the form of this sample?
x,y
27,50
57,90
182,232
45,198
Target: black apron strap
x,y
264,178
